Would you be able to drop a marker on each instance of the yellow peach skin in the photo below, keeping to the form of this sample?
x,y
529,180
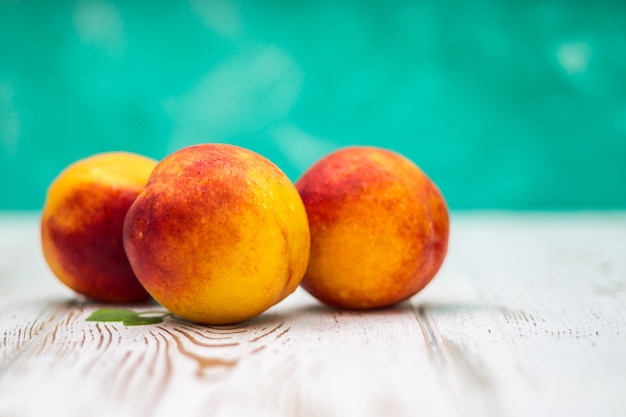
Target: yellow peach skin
x,y
82,222
219,234
379,228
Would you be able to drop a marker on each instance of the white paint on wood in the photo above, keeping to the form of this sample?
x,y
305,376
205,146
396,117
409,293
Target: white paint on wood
x,y
527,317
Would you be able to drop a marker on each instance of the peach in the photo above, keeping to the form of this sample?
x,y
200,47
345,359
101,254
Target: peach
x,y
82,222
218,235
379,228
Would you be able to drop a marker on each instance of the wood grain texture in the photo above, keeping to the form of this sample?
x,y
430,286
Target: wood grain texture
x,y
527,317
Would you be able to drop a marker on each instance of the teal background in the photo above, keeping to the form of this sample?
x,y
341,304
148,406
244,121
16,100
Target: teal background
x,y
505,104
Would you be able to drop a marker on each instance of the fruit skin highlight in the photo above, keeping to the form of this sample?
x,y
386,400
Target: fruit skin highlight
x,y
218,235
379,228
82,223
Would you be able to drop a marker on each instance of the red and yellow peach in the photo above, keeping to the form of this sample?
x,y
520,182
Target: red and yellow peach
x,y
379,228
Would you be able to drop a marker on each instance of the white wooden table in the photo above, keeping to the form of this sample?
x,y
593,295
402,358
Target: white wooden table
x,y
526,318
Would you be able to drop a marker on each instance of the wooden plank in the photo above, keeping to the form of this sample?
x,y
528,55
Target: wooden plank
x,y
299,360
527,317
530,316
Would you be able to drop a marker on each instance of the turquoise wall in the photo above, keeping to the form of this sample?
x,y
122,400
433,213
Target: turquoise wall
x,y
505,104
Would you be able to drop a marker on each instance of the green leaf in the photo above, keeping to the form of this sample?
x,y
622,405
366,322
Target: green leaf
x,y
111,314
139,320
128,317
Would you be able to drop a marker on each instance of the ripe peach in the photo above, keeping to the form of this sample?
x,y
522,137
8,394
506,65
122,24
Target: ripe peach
x,y
82,222
219,234
379,228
